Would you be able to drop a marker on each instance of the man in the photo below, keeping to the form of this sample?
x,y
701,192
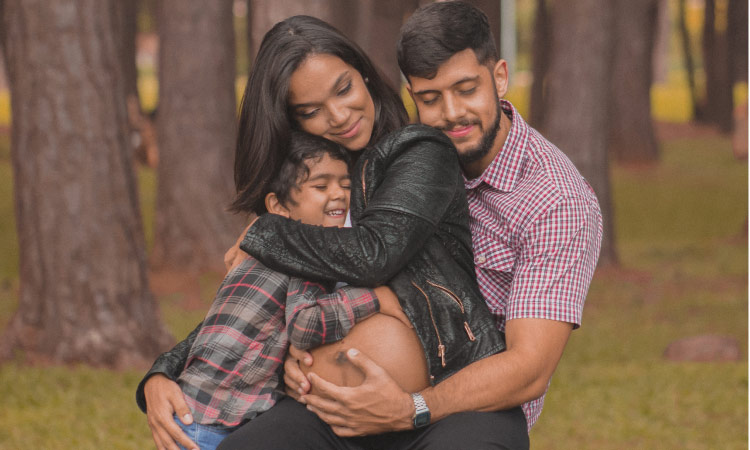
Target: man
x,y
536,229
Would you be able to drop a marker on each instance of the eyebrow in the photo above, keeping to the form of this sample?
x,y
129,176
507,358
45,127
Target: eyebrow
x,y
325,175
338,81
432,91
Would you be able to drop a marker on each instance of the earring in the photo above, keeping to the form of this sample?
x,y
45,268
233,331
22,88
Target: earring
x,y
367,80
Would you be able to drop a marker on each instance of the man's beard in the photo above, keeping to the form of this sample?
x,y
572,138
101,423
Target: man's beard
x,y
488,139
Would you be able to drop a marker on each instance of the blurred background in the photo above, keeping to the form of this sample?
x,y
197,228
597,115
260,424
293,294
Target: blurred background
x,y
117,124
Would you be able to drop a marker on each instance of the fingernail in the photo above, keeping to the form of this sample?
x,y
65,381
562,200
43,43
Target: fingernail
x,y
187,419
352,352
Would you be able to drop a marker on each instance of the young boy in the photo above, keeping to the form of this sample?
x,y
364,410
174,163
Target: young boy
x,y
234,368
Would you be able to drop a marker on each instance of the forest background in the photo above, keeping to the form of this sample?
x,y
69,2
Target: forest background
x,y
116,146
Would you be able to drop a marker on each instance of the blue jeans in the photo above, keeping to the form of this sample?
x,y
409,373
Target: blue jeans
x,y
207,437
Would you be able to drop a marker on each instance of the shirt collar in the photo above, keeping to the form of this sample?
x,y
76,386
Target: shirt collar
x,y
504,170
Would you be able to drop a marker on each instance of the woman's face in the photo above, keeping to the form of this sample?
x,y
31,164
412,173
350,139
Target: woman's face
x,y
329,98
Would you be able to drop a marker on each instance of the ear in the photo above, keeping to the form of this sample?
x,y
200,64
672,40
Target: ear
x,y
408,89
500,75
274,206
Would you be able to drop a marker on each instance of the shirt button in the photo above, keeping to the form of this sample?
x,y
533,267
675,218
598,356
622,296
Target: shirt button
x,y
481,259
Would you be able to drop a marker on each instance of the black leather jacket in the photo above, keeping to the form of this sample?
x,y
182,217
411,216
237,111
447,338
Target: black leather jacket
x,y
410,231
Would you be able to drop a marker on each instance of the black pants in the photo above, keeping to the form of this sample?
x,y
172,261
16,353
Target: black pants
x,y
290,426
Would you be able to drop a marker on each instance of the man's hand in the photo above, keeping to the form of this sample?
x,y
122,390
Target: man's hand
x,y
163,400
390,306
376,406
234,256
295,380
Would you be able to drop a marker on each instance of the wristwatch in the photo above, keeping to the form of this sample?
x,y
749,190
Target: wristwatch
x,y
422,412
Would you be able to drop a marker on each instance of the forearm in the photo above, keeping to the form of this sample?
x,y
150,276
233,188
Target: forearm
x,y
315,318
367,254
507,379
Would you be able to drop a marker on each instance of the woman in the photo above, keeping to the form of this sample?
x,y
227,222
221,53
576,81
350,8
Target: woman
x,y
409,213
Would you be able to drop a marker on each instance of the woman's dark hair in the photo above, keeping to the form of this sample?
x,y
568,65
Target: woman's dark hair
x,y
265,122
303,147
437,31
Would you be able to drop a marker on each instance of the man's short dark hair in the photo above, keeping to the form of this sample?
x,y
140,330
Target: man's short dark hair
x,y
303,147
436,32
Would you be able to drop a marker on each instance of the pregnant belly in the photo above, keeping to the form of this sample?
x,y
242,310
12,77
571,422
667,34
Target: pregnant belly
x,y
389,342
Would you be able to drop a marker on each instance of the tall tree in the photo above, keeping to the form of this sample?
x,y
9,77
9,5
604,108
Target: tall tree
x,y
687,55
196,134
737,31
631,132
717,65
576,105
263,14
540,63
83,287
124,16
373,24
377,29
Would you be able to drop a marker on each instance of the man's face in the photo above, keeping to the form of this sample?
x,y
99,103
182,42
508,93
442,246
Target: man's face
x,y
462,100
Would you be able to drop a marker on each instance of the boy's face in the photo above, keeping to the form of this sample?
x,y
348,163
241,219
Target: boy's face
x,y
322,198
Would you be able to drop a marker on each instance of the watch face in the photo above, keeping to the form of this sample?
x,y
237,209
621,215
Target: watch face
x,y
422,419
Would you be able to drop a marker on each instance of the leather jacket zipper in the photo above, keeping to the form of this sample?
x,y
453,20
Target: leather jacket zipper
x,y
364,187
441,347
460,304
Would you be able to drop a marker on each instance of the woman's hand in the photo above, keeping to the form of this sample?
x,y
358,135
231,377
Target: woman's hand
x,y
234,256
163,400
390,306
295,380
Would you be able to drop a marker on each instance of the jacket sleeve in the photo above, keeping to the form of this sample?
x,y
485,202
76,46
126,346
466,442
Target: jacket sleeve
x,y
315,317
169,364
399,216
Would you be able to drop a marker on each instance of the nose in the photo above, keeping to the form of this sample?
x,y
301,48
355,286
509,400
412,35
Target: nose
x,y
338,114
337,192
453,109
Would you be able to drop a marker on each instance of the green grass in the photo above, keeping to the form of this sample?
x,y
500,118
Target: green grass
x,y
684,273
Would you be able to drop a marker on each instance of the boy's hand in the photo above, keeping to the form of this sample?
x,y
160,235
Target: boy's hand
x,y
295,380
390,306
234,256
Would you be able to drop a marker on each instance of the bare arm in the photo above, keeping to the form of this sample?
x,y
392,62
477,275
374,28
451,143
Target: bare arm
x,y
501,381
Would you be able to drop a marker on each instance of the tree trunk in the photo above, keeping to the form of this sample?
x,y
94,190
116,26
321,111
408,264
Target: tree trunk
x,y
738,16
492,9
717,66
124,16
662,43
631,131
540,63
263,14
377,30
84,291
196,135
577,96
687,54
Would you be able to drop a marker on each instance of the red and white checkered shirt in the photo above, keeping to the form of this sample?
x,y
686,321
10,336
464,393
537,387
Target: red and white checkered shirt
x,y
536,228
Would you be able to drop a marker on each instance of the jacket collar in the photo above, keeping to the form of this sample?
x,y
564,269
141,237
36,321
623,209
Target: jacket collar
x,y
505,169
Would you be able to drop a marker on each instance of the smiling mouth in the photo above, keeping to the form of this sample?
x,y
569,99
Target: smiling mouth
x,y
351,131
459,132
335,212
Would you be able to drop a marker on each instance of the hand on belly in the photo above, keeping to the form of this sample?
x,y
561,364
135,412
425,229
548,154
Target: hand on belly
x,y
392,345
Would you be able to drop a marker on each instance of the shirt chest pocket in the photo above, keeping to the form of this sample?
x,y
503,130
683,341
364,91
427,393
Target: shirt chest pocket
x,y
492,254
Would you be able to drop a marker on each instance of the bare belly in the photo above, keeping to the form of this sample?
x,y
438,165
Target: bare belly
x,y
392,345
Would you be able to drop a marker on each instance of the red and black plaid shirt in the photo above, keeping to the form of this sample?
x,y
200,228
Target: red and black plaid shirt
x,y
233,371
536,228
